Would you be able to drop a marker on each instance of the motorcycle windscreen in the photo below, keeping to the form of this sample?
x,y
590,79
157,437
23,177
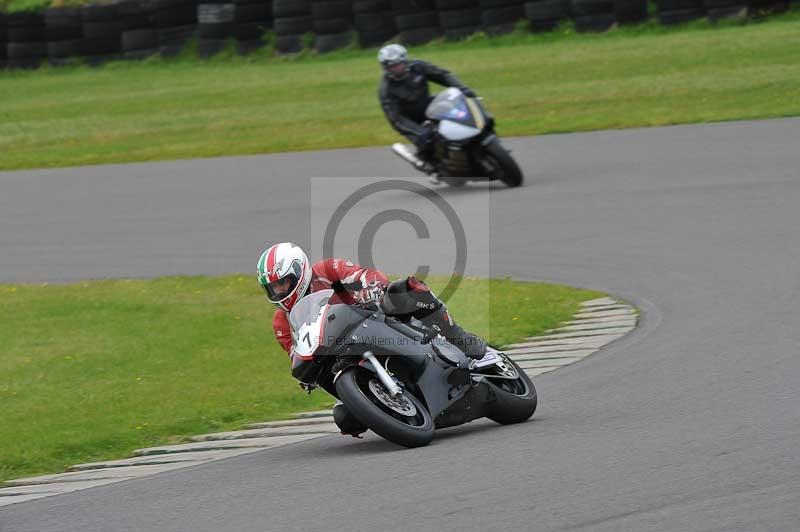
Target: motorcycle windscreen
x,y
307,320
450,104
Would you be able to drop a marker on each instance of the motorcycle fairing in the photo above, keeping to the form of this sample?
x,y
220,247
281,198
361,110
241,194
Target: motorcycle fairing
x,y
455,131
307,320
323,328
432,364
451,105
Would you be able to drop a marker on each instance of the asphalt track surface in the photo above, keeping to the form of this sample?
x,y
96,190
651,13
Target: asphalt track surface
x,y
691,423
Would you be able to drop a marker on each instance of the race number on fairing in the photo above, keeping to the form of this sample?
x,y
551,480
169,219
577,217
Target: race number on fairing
x,y
307,321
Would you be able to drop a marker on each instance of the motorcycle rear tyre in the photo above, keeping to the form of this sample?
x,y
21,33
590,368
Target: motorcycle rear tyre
x,y
511,408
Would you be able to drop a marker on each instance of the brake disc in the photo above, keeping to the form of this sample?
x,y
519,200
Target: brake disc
x,y
399,404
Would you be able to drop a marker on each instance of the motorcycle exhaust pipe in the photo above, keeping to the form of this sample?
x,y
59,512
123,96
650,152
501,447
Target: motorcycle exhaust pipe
x,y
386,379
405,153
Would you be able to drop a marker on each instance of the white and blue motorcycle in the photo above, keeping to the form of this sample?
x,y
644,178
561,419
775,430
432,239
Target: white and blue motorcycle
x,y
466,147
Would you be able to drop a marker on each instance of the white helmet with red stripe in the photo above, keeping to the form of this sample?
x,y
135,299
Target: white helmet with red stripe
x,y
285,274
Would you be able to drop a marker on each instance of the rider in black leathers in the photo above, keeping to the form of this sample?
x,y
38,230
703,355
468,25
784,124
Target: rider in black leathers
x,y
404,94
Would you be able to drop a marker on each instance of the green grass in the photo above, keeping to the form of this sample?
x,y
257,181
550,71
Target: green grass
x,y
93,370
558,82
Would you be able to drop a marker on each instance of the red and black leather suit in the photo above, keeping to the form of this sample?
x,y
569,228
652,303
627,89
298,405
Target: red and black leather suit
x,y
404,298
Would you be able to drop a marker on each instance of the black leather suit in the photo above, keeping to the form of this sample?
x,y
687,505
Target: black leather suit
x,y
404,101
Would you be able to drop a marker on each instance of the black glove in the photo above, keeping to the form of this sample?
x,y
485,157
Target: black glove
x,y
469,93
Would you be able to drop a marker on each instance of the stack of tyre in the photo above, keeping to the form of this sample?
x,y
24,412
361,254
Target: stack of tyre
x,y
253,20
722,9
501,16
680,11
139,37
333,24
3,39
762,8
25,46
374,21
417,21
593,15
292,22
102,31
459,18
630,11
215,25
63,30
545,15
176,22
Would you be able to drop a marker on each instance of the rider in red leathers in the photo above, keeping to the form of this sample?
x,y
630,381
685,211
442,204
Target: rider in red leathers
x,y
353,283
286,275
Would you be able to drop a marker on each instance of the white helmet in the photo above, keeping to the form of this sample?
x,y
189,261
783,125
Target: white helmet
x,y
394,60
285,274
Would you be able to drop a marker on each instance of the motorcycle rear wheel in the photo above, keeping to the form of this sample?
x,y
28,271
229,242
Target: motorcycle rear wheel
x,y
516,398
409,423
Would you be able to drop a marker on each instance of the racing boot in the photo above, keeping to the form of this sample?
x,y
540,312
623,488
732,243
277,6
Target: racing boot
x,y
426,156
347,422
440,321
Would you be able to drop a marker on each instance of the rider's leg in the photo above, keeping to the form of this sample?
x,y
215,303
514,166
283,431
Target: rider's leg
x,y
411,297
441,321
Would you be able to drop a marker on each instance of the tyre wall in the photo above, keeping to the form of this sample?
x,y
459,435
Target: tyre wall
x,y
138,29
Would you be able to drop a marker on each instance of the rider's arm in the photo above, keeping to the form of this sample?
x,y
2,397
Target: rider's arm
x,y
283,332
439,75
347,278
391,109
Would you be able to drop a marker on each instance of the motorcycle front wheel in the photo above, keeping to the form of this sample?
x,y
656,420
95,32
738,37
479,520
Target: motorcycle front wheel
x,y
505,168
403,420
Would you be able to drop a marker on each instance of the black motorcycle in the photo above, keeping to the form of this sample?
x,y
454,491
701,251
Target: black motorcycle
x,y
401,379
466,147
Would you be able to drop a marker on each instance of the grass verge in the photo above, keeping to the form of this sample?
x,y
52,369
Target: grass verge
x,y
647,75
93,370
